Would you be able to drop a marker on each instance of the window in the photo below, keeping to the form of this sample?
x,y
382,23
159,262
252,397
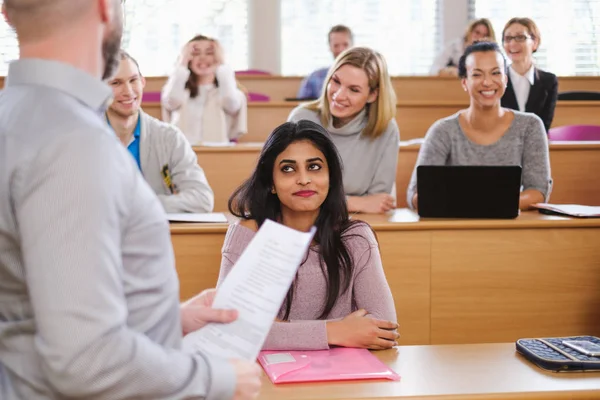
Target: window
x,y
406,32
156,30
570,30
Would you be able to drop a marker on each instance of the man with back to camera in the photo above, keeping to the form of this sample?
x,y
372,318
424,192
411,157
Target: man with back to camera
x,y
340,38
88,290
161,151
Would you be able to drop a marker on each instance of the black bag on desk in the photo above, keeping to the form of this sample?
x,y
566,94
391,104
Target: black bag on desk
x,y
551,354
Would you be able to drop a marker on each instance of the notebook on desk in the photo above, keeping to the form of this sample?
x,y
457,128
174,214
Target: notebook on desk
x,y
337,364
472,191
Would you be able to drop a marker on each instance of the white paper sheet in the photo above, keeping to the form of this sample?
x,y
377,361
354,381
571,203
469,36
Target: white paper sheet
x,y
197,217
574,210
256,287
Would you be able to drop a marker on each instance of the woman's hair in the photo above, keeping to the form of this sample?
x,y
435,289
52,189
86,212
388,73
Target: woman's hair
x,y
192,82
478,47
531,27
255,200
383,109
476,22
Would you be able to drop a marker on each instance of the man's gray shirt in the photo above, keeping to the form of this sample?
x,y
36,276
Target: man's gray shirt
x,y
89,296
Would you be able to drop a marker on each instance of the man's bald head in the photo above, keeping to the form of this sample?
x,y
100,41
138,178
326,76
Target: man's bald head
x,y
33,19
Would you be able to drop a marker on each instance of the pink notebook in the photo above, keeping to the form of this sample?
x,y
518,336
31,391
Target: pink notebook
x,y
337,364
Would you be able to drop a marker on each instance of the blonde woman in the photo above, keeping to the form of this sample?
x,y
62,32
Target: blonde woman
x,y
357,108
201,96
446,64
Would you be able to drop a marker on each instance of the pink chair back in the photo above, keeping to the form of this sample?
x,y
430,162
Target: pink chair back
x,y
252,72
153,97
574,133
256,97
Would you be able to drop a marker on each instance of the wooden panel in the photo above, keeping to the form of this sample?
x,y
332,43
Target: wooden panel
x,y
407,158
460,281
198,260
575,172
457,372
501,285
227,170
405,258
406,261
576,113
413,117
227,167
408,88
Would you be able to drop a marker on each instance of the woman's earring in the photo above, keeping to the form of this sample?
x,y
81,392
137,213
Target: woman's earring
x,y
273,190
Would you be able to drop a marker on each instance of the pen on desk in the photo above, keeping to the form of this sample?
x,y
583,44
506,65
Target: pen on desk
x,y
166,173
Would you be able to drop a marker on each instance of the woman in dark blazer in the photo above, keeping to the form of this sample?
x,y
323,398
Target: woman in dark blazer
x,y
529,88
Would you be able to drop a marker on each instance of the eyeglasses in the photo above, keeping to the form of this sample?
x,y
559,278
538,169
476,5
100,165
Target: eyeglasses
x,y
518,38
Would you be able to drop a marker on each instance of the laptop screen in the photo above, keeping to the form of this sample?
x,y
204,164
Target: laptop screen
x,y
468,191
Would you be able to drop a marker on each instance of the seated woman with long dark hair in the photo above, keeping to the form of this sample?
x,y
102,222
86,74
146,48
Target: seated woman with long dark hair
x,y
340,295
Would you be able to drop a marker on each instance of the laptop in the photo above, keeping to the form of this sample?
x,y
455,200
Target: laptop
x,y
472,191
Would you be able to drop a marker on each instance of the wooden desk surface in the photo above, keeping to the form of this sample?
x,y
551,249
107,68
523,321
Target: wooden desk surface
x,y
450,372
404,219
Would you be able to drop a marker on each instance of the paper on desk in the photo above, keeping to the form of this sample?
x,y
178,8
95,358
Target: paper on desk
x,y
197,217
256,287
217,144
573,210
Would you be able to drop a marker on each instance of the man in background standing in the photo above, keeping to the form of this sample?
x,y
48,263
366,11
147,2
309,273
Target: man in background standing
x,y
340,38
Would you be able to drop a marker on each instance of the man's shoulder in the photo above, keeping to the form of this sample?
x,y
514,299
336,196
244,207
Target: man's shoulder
x,y
160,129
41,116
301,112
320,73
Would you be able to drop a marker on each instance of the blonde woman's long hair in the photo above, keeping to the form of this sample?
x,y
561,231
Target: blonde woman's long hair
x,y
383,109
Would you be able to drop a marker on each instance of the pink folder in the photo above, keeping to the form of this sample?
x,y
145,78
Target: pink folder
x,y
337,364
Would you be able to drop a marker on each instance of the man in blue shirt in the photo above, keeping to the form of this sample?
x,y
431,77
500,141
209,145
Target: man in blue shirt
x,y
340,38
161,151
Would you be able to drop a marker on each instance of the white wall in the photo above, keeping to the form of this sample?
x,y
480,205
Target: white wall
x,y
264,33
455,16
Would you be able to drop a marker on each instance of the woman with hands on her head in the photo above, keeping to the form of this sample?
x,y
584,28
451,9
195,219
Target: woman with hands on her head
x,y
201,96
340,295
357,109
486,133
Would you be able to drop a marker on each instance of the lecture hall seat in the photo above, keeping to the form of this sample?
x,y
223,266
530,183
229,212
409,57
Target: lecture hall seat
x,y
575,133
252,72
579,95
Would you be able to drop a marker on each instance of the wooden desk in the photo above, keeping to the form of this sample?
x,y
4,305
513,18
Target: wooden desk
x,y
226,168
460,281
407,88
413,117
574,166
452,372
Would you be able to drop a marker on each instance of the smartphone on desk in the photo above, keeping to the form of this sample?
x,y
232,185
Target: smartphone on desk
x,y
584,347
